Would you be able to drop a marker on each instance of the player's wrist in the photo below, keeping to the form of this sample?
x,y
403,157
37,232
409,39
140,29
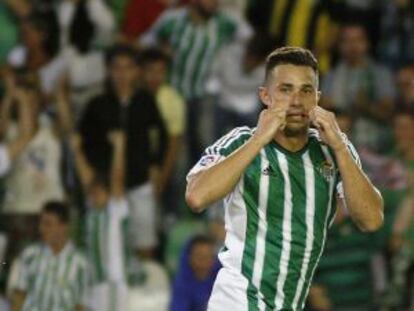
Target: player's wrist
x,y
340,147
258,141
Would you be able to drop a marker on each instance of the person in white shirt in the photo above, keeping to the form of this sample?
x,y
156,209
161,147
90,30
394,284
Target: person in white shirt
x,y
235,77
53,274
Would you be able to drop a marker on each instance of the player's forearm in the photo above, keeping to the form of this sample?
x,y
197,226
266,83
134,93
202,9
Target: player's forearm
x,y
118,169
83,168
214,183
363,200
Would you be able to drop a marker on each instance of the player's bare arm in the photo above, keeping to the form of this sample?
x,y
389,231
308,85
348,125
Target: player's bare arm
x,y
362,199
216,182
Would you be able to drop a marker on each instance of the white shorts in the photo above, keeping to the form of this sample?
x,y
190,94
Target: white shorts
x,y
109,296
143,211
229,292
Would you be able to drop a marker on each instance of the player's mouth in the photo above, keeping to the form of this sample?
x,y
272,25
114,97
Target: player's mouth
x,y
297,115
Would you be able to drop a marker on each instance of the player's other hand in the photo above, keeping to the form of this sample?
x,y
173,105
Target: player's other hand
x,y
270,121
75,141
116,137
329,130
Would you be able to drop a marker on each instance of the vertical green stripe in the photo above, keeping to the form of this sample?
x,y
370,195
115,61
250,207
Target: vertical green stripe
x,y
201,56
66,275
114,297
182,57
43,280
318,234
298,226
53,294
321,202
274,216
127,256
97,246
251,182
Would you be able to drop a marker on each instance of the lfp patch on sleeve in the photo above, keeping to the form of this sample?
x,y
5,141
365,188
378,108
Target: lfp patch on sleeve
x,y
208,160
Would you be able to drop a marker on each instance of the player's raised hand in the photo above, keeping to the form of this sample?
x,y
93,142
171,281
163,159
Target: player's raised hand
x,y
270,121
330,133
116,137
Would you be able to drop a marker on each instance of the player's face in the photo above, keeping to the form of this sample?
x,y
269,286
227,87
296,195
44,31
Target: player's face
x,y
155,74
98,195
404,131
123,71
298,87
207,7
202,260
405,82
52,230
354,43
32,37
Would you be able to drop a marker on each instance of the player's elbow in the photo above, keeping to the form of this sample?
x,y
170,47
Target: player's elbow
x,y
374,222
194,201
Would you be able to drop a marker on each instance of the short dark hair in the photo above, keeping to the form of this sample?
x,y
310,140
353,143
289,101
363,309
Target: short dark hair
x,y
121,50
152,55
404,111
59,209
290,55
200,239
260,45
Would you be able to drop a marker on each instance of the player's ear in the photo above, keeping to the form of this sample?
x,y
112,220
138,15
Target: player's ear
x,y
318,96
264,96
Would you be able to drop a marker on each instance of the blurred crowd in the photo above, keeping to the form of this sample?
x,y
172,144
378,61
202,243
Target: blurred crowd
x,y
106,104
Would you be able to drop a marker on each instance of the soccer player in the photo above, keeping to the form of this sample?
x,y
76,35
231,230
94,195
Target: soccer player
x,y
53,275
281,183
105,225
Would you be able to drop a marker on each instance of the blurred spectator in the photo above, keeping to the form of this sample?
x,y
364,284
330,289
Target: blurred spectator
x,y
361,87
171,106
35,177
193,35
81,56
133,110
83,13
196,275
53,275
140,15
405,87
14,96
404,138
396,40
105,225
307,23
236,76
402,239
39,52
344,278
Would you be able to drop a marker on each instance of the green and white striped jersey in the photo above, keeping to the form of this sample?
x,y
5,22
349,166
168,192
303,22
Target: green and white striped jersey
x,y
277,217
106,241
53,282
194,46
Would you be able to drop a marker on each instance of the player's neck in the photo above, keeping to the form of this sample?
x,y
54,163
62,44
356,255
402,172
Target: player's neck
x,y
293,143
58,246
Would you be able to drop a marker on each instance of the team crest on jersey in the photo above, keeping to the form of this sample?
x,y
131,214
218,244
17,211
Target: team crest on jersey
x,y
269,171
327,170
